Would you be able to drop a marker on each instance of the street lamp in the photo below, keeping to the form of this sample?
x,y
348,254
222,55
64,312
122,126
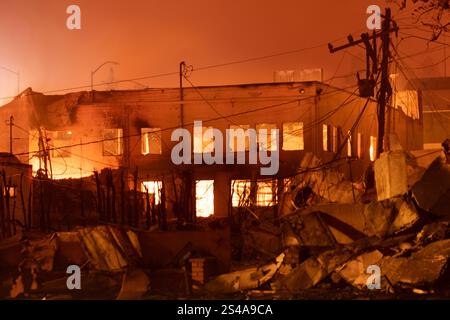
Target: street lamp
x,y
92,76
17,75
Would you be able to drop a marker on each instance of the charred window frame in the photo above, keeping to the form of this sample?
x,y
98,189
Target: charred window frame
x,y
241,193
266,193
153,188
151,141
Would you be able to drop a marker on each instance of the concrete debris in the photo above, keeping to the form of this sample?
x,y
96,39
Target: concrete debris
x,y
388,217
406,215
313,270
391,175
423,267
355,271
331,224
312,186
325,235
311,230
108,248
305,276
244,279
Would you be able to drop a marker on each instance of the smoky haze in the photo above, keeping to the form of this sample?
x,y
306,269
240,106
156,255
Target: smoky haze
x,y
148,37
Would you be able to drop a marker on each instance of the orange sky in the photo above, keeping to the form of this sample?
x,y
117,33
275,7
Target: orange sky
x,y
152,36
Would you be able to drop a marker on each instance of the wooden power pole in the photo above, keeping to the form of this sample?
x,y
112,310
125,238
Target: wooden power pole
x,y
368,85
385,87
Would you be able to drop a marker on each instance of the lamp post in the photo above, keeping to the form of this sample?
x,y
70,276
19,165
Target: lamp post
x,y
17,75
92,76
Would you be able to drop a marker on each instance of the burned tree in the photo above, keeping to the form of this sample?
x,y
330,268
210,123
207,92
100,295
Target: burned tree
x,y
432,14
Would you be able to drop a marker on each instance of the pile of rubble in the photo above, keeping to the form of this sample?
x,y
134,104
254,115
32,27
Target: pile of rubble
x,y
333,235
334,238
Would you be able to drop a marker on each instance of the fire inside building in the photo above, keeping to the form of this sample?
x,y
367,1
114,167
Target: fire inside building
x,y
294,189
129,134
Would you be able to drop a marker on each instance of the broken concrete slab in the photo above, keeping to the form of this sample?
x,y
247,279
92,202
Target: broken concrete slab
x,y
423,267
389,217
345,221
391,178
244,279
350,222
311,230
313,270
108,248
432,191
406,215
377,218
308,274
355,271
327,185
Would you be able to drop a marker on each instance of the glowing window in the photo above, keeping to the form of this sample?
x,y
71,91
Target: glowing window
x,y
153,188
151,140
325,138
204,198
293,136
373,148
12,191
239,138
201,144
241,192
267,136
112,142
266,194
349,144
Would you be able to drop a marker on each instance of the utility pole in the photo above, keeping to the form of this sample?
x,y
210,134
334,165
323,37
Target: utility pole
x,y
11,123
367,86
181,74
385,91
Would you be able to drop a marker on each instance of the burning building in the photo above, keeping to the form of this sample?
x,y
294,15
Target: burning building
x,y
73,135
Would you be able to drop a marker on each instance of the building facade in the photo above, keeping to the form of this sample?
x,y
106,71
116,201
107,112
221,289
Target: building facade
x,y
434,96
73,135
